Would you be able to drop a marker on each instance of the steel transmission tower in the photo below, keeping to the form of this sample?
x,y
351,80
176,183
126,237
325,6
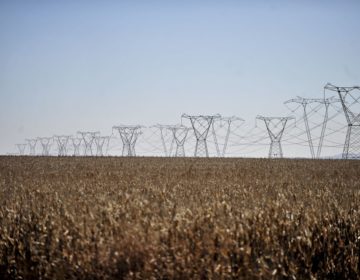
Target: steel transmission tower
x,y
62,142
21,148
129,136
88,138
162,127
32,145
350,101
304,102
275,127
224,121
45,144
201,126
180,133
100,142
76,144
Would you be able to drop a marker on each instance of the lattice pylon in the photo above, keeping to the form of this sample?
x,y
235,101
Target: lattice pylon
x,y
45,144
224,122
201,125
275,127
304,103
350,101
129,136
32,146
76,141
162,128
62,142
88,139
21,148
100,142
133,143
180,133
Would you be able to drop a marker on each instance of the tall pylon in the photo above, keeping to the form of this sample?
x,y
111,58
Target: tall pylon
x,y
62,142
275,127
162,129
223,122
304,103
21,148
100,142
180,133
350,101
45,144
201,125
88,139
32,146
129,135
76,141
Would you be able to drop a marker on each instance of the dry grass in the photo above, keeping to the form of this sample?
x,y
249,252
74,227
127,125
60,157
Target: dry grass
x,y
148,218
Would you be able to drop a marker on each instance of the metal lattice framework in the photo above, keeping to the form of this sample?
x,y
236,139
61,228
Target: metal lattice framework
x,y
304,103
350,101
275,127
129,136
88,139
32,145
62,142
163,128
45,144
201,125
100,142
180,133
224,122
21,148
76,141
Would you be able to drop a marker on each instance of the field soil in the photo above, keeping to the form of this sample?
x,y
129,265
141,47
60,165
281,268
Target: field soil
x,y
178,218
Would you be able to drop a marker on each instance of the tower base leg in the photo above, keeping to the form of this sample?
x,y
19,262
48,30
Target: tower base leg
x,y
275,150
352,143
201,148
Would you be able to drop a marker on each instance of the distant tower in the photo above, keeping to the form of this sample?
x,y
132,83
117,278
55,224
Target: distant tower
x,y
100,142
350,101
45,144
275,127
180,133
304,102
88,139
32,145
76,145
129,136
201,125
163,128
21,148
221,122
62,142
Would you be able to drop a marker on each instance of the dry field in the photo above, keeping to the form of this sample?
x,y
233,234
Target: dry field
x,y
153,218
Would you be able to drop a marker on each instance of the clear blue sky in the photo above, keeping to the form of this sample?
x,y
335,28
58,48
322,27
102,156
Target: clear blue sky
x,y
70,65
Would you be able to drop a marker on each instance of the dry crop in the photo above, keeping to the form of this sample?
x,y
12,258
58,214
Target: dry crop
x,y
155,218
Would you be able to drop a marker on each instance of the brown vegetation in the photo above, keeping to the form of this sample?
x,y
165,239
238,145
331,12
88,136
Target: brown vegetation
x,y
153,218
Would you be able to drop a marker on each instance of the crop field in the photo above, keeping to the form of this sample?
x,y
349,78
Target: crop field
x,y
171,218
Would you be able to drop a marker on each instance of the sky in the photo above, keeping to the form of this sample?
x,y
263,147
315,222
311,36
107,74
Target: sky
x,y
88,65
